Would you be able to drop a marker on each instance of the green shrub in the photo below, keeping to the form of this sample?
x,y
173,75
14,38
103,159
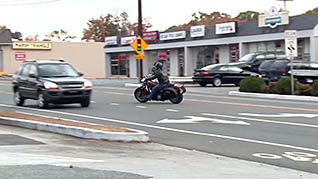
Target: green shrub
x,y
314,87
252,84
284,86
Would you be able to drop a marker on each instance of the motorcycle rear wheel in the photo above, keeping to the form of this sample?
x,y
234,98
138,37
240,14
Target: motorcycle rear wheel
x,y
141,95
176,99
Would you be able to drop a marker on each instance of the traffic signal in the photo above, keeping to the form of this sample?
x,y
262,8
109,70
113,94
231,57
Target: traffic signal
x,y
139,46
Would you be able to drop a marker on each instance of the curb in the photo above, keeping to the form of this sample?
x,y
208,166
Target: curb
x,y
275,96
139,136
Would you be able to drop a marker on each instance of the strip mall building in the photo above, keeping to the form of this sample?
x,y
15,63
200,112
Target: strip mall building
x,y
198,46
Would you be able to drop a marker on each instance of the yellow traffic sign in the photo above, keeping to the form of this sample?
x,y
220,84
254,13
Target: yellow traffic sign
x,y
139,45
140,57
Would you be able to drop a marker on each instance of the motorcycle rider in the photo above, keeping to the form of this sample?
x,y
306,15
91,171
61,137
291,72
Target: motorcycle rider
x,y
162,79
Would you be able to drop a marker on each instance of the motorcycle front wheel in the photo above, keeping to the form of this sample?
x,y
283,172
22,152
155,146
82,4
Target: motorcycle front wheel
x,y
141,95
176,99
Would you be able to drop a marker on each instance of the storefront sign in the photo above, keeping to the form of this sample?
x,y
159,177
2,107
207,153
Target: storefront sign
x,y
128,40
173,35
197,31
20,56
163,56
111,40
151,36
32,45
273,18
225,28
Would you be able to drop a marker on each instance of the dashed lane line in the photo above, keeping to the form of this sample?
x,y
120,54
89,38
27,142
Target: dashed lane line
x,y
141,107
172,110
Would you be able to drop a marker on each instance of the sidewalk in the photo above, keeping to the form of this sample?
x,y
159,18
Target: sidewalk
x,y
65,157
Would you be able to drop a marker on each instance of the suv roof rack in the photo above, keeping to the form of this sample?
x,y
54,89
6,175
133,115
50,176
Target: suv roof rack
x,y
61,60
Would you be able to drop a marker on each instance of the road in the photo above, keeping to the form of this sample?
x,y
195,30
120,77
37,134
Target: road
x,y
275,132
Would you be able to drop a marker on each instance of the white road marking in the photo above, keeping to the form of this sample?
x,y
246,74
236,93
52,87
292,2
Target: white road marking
x,y
299,156
280,115
168,129
196,119
172,110
114,88
267,156
6,92
141,107
114,104
295,156
247,99
261,120
93,101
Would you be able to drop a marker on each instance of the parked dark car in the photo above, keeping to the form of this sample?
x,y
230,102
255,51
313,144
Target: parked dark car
x,y
50,82
218,74
304,72
252,61
273,70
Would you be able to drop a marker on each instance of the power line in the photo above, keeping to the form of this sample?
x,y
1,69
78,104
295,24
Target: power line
x,y
24,3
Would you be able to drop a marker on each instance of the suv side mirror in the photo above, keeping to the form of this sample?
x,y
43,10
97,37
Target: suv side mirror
x,y
32,75
80,74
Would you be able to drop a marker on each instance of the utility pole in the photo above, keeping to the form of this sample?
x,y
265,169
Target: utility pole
x,y
140,33
285,3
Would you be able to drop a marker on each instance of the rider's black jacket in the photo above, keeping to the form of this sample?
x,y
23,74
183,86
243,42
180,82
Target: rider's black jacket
x,y
163,79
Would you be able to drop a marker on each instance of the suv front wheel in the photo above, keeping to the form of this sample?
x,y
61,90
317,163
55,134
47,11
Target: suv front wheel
x,y
42,103
17,98
85,103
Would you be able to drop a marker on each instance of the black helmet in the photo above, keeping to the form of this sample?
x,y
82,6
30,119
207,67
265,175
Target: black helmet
x,y
158,65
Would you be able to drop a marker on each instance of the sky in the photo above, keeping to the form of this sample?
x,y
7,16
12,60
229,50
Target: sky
x,y
73,15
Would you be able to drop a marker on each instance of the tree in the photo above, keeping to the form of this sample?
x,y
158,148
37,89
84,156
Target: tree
x,y
111,25
98,29
3,27
201,18
133,29
248,15
314,11
60,35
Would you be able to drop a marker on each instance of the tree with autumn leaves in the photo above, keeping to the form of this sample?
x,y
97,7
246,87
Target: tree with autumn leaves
x,y
111,25
114,25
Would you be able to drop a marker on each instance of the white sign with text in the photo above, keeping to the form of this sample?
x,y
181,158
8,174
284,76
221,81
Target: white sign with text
x,y
173,35
197,31
225,28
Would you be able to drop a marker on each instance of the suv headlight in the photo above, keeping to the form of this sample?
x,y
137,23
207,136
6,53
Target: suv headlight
x,y
88,84
50,85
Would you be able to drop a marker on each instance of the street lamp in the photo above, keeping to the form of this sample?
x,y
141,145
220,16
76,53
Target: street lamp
x,y
285,3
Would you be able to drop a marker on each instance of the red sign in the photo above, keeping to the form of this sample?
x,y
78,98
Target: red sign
x,y
163,56
150,36
20,56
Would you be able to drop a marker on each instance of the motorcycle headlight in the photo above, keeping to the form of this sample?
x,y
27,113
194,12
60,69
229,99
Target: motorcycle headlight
x,y
88,84
50,85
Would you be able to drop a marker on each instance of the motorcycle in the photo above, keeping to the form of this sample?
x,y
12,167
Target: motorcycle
x,y
172,92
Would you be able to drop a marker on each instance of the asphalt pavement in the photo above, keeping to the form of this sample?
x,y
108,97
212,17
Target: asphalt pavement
x,y
40,155
34,152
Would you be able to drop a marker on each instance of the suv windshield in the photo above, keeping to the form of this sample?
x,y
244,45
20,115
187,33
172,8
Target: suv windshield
x,y
247,58
57,70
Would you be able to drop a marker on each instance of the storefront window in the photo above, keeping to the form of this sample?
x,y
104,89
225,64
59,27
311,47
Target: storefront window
x,y
162,56
120,64
234,53
205,56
